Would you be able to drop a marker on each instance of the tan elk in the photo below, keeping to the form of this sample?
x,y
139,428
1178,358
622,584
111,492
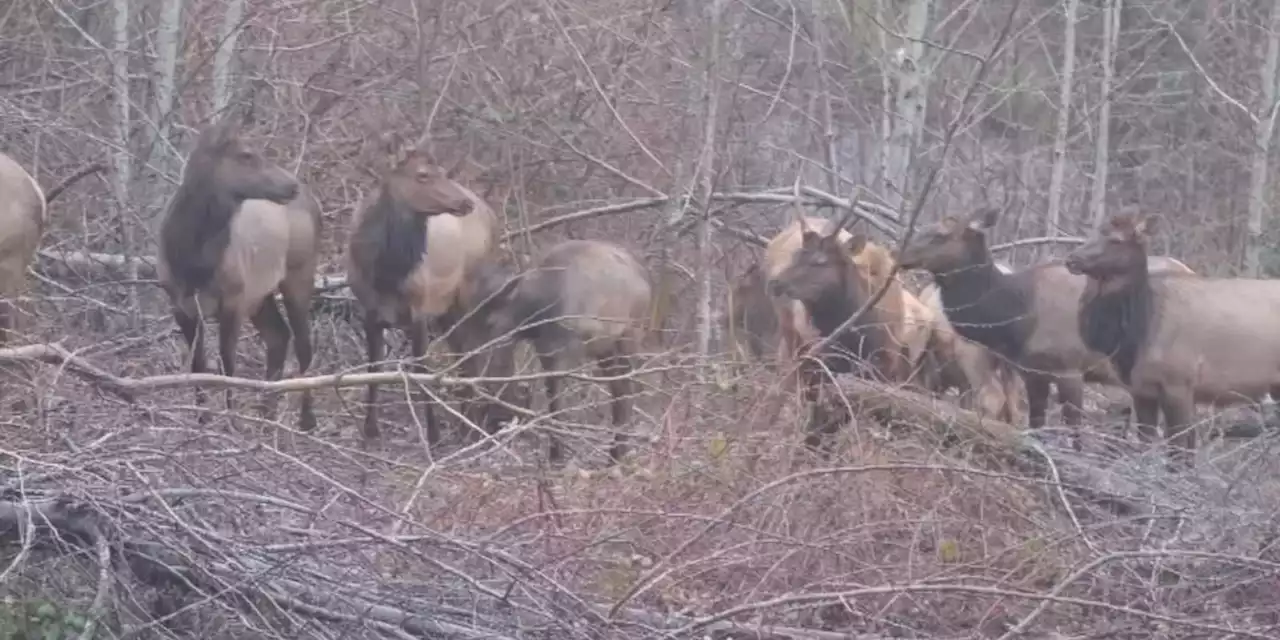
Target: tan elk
x,y
581,298
413,244
22,216
823,277
239,229
1175,341
873,266
1029,317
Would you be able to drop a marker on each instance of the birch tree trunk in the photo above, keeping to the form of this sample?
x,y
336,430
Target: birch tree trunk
x,y
910,102
828,128
1065,90
707,174
1263,129
224,56
123,174
1101,154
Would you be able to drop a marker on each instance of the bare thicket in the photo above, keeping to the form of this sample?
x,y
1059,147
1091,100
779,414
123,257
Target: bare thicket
x,y
685,131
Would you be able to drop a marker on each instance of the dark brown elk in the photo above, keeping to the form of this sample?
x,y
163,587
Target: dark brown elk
x,y
1029,317
582,297
413,243
22,216
1175,341
238,229
823,277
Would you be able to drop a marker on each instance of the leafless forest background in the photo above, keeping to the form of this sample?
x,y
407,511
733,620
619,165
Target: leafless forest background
x,y
680,129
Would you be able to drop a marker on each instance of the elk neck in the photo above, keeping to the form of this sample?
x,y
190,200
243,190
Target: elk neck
x,y
400,238
1115,317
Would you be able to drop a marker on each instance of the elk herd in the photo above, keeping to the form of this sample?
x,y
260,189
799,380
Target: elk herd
x,y
422,256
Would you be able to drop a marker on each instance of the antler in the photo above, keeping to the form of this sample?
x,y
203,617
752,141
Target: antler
x,y
848,215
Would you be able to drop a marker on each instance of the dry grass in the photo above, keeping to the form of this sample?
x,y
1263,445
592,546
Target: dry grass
x,y
715,518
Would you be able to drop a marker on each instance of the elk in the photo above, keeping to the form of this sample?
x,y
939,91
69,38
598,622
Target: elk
x,y
751,324
1175,341
1028,317
588,297
22,216
823,277
986,382
239,229
413,244
874,266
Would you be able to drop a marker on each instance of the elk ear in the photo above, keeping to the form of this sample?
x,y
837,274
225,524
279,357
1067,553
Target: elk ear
x,y
393,147
984,219
856,243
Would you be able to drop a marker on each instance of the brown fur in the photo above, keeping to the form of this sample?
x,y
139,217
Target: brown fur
x,y
412,245
587,296
239,229
1176,341
874,263
22,217
1028,317
824,277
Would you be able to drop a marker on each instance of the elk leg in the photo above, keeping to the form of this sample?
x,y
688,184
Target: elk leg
x,y
418,349
619,365
297,309
1146,413
275,333
1071,396
193,332
1179,428
375,349
1037,399
228,339
551,367
819,423
19,371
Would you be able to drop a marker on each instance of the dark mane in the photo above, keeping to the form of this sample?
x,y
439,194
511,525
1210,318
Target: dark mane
x,y
1115,318
989,307
395,242
865,340
197,230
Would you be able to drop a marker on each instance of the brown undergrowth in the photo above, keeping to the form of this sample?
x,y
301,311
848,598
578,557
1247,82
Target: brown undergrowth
x,y
717,522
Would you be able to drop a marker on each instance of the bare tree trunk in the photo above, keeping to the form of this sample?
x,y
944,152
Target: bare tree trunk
x,y
225,54
123,173
707,174
1053,223
160,150
1111,13
910,102
1264,127
828,129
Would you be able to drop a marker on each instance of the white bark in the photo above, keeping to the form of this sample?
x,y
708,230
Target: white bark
x,y
910,102
707,173
123,174
225,54
1065,90
1101,157
1263,130
168,34
828,128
